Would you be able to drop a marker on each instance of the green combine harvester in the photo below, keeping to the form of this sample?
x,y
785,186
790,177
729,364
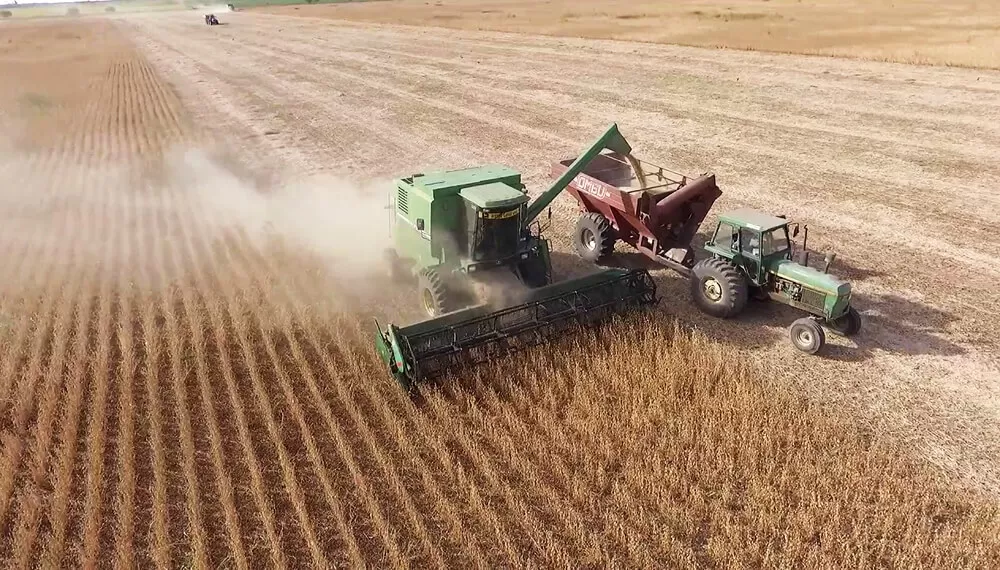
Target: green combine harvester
x,y
460,232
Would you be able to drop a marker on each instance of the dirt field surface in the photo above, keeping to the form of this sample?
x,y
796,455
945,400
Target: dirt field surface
x,y
187,375
910,31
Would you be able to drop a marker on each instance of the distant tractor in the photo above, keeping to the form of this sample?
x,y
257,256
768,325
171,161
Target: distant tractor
x,y
211,20
751,256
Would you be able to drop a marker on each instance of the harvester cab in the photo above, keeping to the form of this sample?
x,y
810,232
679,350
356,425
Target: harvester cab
x,y
751,254
451,227
460,232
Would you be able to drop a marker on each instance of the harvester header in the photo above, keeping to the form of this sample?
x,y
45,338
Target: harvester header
x,y
477,334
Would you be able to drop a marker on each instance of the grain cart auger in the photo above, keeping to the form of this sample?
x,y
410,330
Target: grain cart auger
x,y
462,231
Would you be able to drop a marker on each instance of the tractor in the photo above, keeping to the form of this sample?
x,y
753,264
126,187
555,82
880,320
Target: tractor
x,y
211,20
751,256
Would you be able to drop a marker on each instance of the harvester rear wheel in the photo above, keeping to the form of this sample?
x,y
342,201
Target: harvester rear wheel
x,y
718,288
807,335
433,293
848,324
594,237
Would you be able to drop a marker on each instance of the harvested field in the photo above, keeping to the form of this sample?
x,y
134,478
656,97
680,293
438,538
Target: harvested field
x,y
962,33
187,375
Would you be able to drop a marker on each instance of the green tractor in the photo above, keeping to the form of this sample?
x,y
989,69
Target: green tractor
x,y
461,232
751,256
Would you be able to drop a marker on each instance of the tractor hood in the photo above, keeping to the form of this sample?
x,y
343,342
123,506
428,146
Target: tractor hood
x,y
812,278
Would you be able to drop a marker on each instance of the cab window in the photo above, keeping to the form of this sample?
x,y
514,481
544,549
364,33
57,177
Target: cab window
x,y
749,242
726,236
774,241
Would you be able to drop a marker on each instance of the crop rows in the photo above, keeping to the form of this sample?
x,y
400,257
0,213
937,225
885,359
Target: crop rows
x,y
171,394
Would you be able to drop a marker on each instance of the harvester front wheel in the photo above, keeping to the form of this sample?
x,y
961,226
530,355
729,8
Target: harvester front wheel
x,y
533,272
594,237
718,288
807,335
848,324
433,293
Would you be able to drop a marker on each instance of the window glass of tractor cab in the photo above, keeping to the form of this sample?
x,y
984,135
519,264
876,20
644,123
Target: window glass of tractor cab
x,y
750,242
726,236
774,241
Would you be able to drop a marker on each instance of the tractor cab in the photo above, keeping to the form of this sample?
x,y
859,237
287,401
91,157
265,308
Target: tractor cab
x,y
753,240
751,256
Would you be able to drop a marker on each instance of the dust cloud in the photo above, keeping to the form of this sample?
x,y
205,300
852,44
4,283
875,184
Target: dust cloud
x,y
343,223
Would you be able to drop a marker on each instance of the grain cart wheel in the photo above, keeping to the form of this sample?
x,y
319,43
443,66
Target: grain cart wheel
x,y
718,288
433,294
594,238
848,324
807,335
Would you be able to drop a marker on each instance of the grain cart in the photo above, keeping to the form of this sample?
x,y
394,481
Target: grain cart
x,y
454,230
658,212
653,209
751,255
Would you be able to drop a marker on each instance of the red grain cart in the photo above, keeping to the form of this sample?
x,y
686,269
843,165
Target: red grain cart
x,y
655,210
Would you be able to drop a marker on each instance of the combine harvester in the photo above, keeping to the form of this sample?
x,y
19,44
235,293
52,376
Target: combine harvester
x,y
461,231
750,253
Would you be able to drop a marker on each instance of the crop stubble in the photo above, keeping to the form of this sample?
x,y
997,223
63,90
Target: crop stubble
x,y
175,393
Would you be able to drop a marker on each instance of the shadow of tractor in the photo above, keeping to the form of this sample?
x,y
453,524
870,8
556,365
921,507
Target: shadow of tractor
x,y
891,322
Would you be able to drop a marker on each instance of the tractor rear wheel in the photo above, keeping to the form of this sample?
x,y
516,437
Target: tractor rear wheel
x,y
433,293
807,335
848,324
718,288
594,237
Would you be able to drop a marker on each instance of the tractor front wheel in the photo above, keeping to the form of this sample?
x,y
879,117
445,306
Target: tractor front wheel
x,y
718,288
594,237
433,293
807,335
847,324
